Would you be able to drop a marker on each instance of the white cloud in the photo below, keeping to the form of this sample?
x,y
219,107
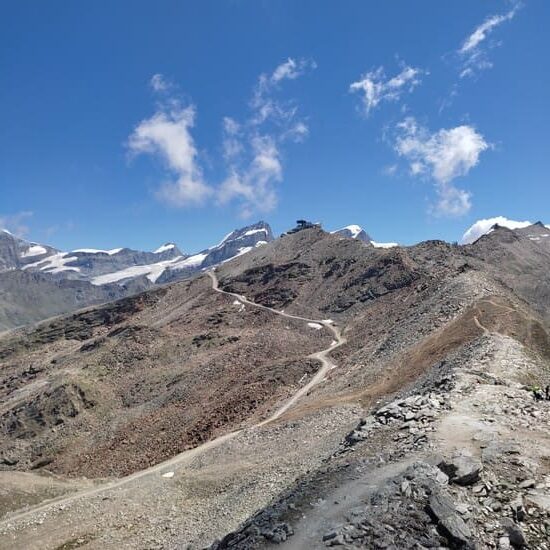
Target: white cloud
x,y
297,133
291,69
254,185
159,83
376,88
390,170
482,227
451,201
264,105
252,149
473,51
16,223
445,155
167,135
232,145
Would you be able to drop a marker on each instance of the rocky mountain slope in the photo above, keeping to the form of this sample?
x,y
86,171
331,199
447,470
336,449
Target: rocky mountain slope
x,y
357,232
38,281
201,421
353,232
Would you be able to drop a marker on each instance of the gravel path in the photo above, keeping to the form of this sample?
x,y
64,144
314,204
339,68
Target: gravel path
x,y
187,456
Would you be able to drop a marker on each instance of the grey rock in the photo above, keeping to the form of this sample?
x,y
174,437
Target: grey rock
x,y
450,524
527,484
518,509
462,468
454,528
440,505
338,540
279,533
514,532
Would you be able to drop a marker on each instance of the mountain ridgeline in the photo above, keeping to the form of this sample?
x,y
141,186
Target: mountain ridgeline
x,y
310,391
38,281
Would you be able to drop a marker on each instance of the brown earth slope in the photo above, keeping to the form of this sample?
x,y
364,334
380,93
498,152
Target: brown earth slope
x,y
115,389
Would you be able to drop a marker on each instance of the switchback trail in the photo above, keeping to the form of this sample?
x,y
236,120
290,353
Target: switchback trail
x,y
180,459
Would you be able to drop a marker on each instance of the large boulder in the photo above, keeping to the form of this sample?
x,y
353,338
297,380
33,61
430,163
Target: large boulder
x,y
462,468
449,522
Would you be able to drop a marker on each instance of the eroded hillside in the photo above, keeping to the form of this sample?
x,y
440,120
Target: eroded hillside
x,y
438,348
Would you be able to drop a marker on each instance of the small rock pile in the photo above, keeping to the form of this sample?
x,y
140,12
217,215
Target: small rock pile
x,y
412,510
413,416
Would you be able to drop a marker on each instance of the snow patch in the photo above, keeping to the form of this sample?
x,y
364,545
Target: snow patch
x,y
168,474
164,248
97,251
192,261
243,250
34,250
383,245
254,231
260,243
240,251
151,271
222,241
316,326
353,229
55,263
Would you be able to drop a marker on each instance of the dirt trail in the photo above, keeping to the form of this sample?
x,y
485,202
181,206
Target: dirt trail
x,y
186,456
322,356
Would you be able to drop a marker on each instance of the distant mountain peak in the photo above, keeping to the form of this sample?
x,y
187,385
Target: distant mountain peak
x,y
165,247
257,229
487,225
353,231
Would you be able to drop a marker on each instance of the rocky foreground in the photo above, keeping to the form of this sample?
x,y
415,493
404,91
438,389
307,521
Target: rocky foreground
x,y
462,464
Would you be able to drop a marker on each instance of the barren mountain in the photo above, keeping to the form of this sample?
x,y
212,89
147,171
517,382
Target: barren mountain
x,y
38,281
329,393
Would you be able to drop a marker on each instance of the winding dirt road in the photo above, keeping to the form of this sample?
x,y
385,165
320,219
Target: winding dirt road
x,y
322,356
326,365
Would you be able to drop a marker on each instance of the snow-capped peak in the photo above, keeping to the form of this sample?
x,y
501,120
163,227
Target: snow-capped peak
x,y
484,226
34,250
260,230
164,248
357,232
353,232
98,251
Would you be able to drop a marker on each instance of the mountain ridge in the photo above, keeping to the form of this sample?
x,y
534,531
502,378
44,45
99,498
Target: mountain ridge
x,y
169,393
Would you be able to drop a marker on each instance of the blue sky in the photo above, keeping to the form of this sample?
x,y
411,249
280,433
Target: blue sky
x,y
412,119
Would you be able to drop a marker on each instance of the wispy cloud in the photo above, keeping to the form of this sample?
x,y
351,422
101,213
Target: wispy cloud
x,y
442,156
159,83
232,134
16,223
167,135
473,52
254,185
252,148
376,88
264,103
